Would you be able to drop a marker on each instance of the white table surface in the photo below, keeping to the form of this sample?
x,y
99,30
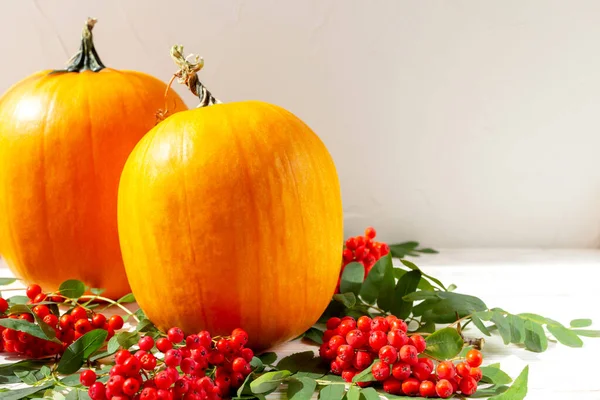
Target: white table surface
x,y
560,284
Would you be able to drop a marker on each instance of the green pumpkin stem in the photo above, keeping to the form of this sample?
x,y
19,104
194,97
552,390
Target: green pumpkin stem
x,y
86,59
188,75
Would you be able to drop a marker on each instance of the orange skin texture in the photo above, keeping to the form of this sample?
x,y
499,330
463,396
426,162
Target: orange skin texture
x,y
64,139
231,216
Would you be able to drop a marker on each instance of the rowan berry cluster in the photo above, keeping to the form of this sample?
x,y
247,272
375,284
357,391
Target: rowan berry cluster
x,y
363,249
351,346
196,367
68,327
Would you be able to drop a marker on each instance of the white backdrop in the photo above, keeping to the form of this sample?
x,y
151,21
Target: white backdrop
x,y
456,123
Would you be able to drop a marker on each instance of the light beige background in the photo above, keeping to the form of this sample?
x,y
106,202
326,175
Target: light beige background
x,y
458,123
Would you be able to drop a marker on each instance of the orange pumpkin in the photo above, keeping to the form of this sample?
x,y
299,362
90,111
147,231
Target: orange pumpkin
x,y
230,215
64,138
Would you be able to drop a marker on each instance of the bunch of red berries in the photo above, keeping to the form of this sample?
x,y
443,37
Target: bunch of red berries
x,y
68,327
363,249
196,367
351,346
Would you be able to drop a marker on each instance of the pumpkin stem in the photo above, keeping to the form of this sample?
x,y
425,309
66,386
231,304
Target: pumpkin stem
x,y
86,59
188,75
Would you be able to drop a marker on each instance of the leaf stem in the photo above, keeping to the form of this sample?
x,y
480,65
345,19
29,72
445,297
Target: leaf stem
x,y
112,302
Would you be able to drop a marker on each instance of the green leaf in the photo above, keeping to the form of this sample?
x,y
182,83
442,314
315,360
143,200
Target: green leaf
x,y
517,328
503,326
353,393
268,381
427,251
535,337
268,358
399,250
387,285
8,371
72,288
17,394
480,325
18,300
421,295
428,327
295,362
29,377
489,391
370,288
369,394
365,375
534,318
408,284
80,350
581,323
77,394
565,336
127,339
25,309
352,278
347,299
145,325
587,332
332,392
518,389
412,266
97,291
45,371
128,298
7,281
495,375
26,326
445,305
444,344
301,388
452,287
333,378
315,335
256,364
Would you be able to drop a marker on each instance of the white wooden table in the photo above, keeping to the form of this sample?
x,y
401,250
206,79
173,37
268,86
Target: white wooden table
x,y
560,284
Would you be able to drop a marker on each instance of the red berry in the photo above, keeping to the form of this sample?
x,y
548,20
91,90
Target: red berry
x,y
326,352
401,371
131,386
41,310
163,345
33,290
121,356
87,377
3,305
335,368
328,334
181,387
364,323
115,384
388,354
215,357
344,364
162,394
377,339
347,255
399,325
360,253
187,366
370,232
223,382
163,380
476,373
444,388
333,323
239,364
146,343
149,393
241,335
411,386
392,386
148,361
175,335
468,385
356,338
427,389
98,320
83,326
66,321
362,360
418,342
380,324
205,339
381,371
421,371
132,366
474,358
115,322
24,337
348,374
336,341
408,354
446,370
463,369
351,243
397,338
345,352
346,326
427,361
247,354
97,391
173,357
78,313
27,317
